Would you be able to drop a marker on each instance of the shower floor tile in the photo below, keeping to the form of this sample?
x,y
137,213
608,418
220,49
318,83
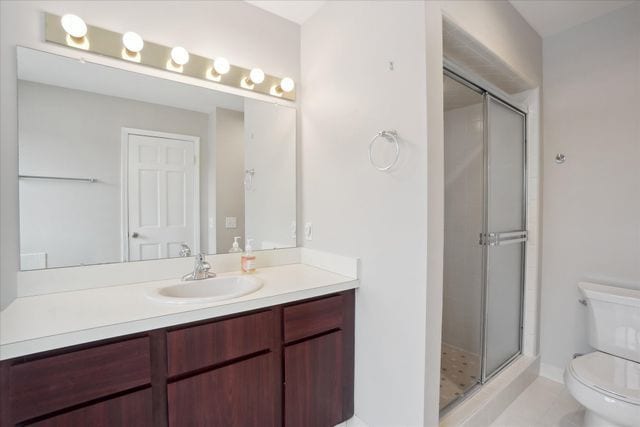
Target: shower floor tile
x,y
459,371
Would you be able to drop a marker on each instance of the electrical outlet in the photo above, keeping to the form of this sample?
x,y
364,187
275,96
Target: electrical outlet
x,y
294,230
231,222
308,231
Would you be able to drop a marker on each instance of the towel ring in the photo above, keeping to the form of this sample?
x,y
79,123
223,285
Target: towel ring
x,y
390,136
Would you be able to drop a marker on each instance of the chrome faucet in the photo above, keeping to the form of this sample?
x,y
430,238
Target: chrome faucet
x,y
185,250
201,270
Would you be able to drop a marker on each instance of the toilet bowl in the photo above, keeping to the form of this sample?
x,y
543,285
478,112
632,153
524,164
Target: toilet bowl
x,y
607,381
608,387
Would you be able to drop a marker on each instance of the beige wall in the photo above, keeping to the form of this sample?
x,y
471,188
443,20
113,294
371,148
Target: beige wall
x,y
230,176
244,34
591,210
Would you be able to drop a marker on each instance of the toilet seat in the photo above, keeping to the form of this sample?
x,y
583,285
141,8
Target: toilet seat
x,y
610,375
608,387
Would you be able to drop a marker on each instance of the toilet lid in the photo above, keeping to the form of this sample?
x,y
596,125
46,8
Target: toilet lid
x,y
610,374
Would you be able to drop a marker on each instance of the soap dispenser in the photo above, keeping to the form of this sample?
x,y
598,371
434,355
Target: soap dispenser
x,y
248,260
235,247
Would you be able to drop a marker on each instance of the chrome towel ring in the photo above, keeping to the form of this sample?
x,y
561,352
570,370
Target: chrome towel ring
x,y
391,136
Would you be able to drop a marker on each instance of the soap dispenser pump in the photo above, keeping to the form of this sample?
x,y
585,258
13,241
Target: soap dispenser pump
x,y
248,260
235,247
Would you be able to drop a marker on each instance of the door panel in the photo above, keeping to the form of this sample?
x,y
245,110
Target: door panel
x,y
313,382
505,234
463,268
162,199
242,394
505,168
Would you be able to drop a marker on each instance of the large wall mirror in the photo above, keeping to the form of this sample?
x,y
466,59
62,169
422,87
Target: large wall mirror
x,y
117,166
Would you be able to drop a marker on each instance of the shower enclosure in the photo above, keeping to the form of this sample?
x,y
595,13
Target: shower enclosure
x,y
484,236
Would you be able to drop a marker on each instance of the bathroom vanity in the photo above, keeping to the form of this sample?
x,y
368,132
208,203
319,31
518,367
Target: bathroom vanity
x,y
103,331
289,364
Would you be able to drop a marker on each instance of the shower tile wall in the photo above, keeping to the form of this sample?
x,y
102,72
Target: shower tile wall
x,y
462,313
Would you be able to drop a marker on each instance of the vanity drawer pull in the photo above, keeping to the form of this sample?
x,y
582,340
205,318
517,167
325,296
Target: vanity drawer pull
x,y
312,318
46,385
205,345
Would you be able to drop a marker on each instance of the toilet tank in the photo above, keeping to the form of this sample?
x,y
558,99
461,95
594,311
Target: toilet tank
x,y
614,319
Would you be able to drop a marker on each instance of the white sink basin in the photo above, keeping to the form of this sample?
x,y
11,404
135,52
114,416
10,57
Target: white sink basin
x,y
207,290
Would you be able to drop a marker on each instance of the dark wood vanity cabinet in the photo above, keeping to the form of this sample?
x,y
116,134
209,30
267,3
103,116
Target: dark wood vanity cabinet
x,y
288,365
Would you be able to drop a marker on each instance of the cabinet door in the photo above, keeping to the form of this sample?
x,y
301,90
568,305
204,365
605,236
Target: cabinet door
x,y
313,382
242,394
130,410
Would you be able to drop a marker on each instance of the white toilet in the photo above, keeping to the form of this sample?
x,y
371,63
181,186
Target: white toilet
x,y
607,381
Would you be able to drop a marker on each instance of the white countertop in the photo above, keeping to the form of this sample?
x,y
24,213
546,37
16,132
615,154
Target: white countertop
x,y
44,322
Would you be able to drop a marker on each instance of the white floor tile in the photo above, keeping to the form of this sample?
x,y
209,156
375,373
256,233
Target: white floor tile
x,y
544,403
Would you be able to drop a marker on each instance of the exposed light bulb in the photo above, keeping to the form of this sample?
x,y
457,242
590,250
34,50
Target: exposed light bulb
x,y
256,76
74,25
179,55
221,65
287,84
132,41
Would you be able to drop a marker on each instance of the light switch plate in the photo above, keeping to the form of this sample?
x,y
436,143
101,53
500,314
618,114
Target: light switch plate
x,y
231,222
308,231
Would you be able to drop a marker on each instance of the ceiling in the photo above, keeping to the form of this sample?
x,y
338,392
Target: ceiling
x,y
551,17
293,10
547,17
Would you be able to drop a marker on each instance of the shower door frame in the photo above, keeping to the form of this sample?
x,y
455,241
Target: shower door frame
x,y
487,97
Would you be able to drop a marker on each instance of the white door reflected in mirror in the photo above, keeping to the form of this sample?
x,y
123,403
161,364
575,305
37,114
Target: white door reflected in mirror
x,y
91,193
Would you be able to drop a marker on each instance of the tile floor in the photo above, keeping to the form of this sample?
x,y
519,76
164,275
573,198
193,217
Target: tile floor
x,y
459,371
544,403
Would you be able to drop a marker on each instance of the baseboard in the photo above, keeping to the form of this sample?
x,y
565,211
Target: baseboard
x,y
552,372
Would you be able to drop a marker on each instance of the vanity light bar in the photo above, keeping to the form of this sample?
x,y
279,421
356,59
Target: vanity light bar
x,y
71,31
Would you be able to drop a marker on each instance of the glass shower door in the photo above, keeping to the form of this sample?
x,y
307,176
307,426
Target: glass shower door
x,y
463,260
504,234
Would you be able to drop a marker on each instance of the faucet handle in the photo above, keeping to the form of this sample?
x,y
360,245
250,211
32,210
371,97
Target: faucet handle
x,y
185,250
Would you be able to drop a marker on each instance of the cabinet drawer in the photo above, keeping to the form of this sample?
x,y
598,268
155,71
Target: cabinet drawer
x,y
45,385
311,318
130,410
200,346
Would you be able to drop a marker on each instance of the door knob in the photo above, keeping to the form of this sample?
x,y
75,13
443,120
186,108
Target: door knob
x,y
135,235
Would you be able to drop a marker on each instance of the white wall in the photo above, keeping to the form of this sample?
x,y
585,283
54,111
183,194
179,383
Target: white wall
x,y
66,132
498,26
348,94
230,176
270,151
592,202
246,35
463,207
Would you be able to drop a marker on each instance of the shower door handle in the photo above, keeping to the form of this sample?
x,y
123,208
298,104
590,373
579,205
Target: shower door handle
x,y
504,238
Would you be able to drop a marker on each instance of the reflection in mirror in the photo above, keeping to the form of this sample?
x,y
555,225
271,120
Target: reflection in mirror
x,y
118,166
